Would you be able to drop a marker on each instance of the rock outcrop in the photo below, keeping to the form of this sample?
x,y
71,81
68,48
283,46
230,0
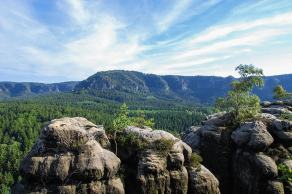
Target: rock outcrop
x,y
245,158
72,156
158,162
69,158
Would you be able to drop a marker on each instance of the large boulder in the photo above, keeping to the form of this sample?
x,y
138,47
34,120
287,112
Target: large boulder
x,y
68,158
203,181
252,135
70,133
282,131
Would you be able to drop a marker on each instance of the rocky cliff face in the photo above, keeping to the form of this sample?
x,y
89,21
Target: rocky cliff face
x,y
72,156
245,158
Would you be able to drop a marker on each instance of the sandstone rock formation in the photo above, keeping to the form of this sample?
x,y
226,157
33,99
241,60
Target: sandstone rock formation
x,y
158,162
68,159
245,158
72,156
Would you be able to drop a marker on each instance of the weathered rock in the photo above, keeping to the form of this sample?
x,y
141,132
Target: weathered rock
x,y
253,135
215,148
192,137
251,172
202,181
276,110
70,133
275,187
288,163
160,172
218,119
68,159
282,131
244,158
266,165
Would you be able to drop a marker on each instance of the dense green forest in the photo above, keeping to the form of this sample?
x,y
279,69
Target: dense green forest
x,y
21,121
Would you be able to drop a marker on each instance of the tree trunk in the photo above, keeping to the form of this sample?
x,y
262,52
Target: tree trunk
x,y
116,145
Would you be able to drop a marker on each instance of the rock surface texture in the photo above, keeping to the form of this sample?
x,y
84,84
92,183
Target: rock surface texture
x,y
245,158
158,162
69,158
72,156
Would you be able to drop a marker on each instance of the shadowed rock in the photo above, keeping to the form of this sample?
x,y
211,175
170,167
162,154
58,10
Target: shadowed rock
x,y
244,158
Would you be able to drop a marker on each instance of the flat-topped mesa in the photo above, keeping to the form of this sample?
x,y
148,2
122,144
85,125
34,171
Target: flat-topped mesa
x,y
68,158
245,158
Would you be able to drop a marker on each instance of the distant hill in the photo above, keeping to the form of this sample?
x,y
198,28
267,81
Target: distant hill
x,y
122,85
202,89
21,89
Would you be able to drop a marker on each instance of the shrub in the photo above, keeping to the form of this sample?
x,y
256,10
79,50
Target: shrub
x,y
141,121
285,173
132,140
163,146
195,160
281,93
286,116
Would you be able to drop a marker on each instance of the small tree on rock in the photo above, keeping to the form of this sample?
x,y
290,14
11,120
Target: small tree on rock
x,y
240,101
281,93
120,122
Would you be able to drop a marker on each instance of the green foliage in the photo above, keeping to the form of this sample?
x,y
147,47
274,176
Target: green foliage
x,y
285,173
250,76
163,146
142,121
195,160
286,116
122,120
239,100
281,93
133,141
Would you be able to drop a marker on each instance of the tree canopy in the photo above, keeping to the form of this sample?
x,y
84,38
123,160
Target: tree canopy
x,y
240,101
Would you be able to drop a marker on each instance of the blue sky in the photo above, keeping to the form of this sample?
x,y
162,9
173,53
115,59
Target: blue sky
x,y
61,40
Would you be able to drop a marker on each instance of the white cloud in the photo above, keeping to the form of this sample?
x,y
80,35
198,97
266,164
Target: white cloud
x,y
76,9
224,30
176,11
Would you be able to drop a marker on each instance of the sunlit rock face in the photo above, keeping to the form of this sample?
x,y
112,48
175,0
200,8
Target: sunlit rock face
x,y
69,157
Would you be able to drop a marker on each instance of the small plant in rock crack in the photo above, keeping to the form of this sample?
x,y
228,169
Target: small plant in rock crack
x,y
195,160
285,173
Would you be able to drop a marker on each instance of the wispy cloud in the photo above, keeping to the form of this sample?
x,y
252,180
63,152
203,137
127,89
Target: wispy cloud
x,y
176,11
169,37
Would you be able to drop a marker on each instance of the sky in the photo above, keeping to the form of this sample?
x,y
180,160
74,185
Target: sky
x,y
63,40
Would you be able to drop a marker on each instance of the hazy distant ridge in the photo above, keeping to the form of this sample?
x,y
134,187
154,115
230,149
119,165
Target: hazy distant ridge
x,y
187,88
